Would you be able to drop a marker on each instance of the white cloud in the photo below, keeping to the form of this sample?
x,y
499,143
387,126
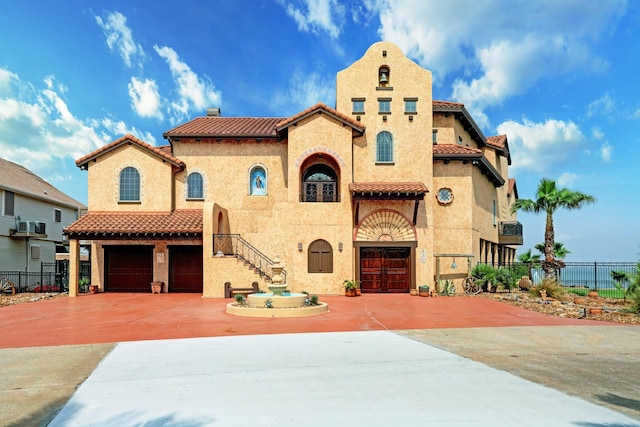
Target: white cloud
x,y
120,38
305,90
145,98
566,180
316,15
538,147
500,50
40,132
195,93
605,151
604,106
597,133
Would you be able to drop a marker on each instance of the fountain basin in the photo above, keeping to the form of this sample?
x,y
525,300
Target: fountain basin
x,y
277,301
304,311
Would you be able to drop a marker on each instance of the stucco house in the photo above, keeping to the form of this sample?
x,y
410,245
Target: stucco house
x,y
33,216
380,189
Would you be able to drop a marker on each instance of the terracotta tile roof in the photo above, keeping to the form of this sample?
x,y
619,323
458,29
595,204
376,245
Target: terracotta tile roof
x,y
183,222
497,141
320,107
513,189
500,143
161,152
388,187
452,149
226,127
21,180
446,104
449,152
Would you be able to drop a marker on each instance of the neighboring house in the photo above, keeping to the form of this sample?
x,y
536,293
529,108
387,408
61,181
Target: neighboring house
x,y
380,189
33,214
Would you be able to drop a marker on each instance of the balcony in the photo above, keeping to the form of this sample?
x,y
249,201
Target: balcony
x,y
510,233
30,229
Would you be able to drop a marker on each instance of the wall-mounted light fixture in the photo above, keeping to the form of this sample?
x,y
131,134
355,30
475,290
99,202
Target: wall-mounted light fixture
x,y
340,246
299,246
454,265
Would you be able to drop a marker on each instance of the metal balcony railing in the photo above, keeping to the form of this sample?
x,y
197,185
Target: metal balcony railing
x,y
510,233
235,245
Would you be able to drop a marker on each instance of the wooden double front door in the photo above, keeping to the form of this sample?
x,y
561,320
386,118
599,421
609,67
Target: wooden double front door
x,y
385,270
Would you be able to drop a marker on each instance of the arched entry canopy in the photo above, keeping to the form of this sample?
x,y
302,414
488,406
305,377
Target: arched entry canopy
x,y
387,191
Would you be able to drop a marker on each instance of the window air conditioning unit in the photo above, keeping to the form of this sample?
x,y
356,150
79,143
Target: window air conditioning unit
x,y
32,227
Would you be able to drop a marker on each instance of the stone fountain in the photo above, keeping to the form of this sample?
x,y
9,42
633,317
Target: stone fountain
x,y
278,302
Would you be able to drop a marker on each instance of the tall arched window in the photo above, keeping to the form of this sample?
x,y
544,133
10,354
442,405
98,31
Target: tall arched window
x,y
320,257
195,186
258,181
319,184
384,147
129,185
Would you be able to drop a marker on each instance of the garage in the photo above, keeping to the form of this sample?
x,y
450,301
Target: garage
x,y
128,268
185,269
385,269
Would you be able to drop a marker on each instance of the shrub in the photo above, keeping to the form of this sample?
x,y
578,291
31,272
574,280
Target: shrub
x,y
484,274
553,288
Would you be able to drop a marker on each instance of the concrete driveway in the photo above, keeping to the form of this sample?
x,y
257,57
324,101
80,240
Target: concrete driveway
x,y
593,361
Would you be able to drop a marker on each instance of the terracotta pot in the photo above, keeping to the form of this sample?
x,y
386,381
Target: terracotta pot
x,y
434,294
358,292
93,289
413,292
156,287
350,292
595,310
593,294
579,300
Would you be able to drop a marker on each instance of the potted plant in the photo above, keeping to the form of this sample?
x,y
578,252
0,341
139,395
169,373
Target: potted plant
x,y
350,287
83,285
423,290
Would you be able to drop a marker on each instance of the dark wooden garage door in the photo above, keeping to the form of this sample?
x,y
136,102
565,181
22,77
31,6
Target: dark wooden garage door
x,y
385,270
185,269
128,268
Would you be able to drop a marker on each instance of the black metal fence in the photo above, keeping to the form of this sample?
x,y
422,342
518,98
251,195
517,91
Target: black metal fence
x,y
586,275
53,277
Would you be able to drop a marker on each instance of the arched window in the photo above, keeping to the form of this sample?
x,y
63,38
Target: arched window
x,y
129,185
384,147
195,186
319,184
320,257
258,181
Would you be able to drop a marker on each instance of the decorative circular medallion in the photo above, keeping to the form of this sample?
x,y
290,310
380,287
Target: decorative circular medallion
x,y
444,196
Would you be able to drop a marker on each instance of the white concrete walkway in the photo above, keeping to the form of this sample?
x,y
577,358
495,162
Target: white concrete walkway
x,y
323,379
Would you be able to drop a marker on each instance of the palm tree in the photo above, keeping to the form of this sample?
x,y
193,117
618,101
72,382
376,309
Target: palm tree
x,y
529,260
559,251
548,200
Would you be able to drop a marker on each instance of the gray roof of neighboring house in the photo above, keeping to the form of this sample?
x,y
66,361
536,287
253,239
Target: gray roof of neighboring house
x,y
21,180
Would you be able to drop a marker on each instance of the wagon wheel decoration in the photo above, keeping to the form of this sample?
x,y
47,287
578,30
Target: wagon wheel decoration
x,y
471,286
6,287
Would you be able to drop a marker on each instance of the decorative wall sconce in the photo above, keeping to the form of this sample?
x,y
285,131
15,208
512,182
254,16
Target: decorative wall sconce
x,y
340,246
299,246
454,265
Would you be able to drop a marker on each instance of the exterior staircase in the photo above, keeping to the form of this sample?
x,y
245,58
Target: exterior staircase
x,y
235,245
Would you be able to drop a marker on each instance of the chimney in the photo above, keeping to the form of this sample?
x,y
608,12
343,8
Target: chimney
x,y
213,112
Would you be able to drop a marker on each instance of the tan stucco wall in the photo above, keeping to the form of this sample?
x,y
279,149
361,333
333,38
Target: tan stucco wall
x,y
155,181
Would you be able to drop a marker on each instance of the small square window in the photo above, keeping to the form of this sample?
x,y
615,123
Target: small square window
x,y
358,106
410,106
384,105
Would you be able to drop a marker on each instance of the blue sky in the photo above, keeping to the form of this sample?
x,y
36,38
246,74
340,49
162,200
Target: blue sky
x,y
559,77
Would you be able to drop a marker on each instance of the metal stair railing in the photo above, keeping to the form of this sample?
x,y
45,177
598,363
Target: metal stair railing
x,y
235,245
